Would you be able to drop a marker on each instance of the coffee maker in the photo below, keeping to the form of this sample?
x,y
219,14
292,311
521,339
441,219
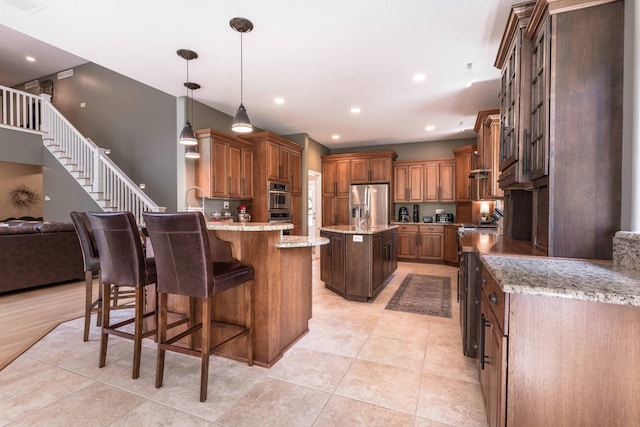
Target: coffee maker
x,y
403,214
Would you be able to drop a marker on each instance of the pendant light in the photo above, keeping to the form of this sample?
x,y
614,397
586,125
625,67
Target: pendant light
x,y
187,136
241,122
192,149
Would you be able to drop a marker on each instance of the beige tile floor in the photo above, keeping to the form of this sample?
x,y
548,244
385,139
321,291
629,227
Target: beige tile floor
x,y
360,365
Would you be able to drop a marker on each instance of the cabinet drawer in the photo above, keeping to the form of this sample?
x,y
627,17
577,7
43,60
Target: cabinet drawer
x,y
495,298
431,229
508,176
408,228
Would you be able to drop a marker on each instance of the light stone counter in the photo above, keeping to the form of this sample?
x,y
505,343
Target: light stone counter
x,y
301,242
248,226
352,229
599,281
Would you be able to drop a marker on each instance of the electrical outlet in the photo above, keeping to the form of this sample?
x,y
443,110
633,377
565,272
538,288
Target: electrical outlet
x,y
225,205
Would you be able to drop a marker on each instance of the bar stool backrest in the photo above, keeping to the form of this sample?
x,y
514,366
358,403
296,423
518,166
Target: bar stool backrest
x,y
181,248
90,254
122,259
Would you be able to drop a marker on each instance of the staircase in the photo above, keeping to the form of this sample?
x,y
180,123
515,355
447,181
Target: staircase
x,y
89,164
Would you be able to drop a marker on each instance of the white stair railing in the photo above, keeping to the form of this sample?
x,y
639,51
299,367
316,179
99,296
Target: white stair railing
x,y
100,177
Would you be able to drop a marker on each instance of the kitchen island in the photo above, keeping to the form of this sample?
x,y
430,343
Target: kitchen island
x,y
358,260
281,291
559,337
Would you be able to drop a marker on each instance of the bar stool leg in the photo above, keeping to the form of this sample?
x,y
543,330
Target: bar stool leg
x,y
137,336
104,337
162,338
88,303
206,347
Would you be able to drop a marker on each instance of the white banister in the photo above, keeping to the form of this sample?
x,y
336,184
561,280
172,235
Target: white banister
x,y
112,189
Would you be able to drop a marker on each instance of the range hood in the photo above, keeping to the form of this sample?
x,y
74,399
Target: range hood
x,y
479,173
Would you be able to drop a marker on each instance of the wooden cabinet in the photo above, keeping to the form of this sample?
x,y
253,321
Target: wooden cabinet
x,y
465,159
487,128
567,125
372,170
225,167
451,244
276,159
359,264
514,59
339,171
332,261
424,181
421,242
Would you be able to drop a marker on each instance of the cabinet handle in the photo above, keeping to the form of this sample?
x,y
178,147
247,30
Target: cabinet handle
x,y
460,277
483,280
493,298
483,356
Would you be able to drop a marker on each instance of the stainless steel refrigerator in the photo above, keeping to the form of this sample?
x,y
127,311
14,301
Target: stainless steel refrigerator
x,y
369,204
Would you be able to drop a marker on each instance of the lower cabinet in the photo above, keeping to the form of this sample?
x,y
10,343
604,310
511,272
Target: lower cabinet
x,y
421,242
451,244
357,265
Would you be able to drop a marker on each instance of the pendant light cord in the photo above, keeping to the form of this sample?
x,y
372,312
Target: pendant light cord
x,y
241,72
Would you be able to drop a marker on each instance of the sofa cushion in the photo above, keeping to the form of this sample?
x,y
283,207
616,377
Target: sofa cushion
x,y
17,229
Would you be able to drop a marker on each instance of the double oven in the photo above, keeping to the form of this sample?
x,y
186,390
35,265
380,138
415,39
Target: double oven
x,y
279,207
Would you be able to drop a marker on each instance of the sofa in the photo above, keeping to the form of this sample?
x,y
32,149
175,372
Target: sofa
x,y
35,253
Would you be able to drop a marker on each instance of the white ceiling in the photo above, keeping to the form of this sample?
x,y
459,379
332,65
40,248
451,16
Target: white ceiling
x,y
322,56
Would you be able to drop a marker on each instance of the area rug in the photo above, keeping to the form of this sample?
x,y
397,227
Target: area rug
x,y
422,294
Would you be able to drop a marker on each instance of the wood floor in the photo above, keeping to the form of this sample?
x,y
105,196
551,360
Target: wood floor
x,y
27,316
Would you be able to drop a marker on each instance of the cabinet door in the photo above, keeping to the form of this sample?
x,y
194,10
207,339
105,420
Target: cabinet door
x,y
273,161
493,139
329,181
377,256
432,182
401,184
360,171
416,173
448,181
451,244
246,182
296,214
343,177
338,251
463,185
380,170
329,210
407,245
219,169
493,368
325,258
342,210
235,172
539,138
508,105
295,171
431,246
283,164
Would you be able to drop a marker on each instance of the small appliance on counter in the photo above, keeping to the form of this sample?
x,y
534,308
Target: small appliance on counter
x,y
444,217
427,219
243,216
416,213
403,214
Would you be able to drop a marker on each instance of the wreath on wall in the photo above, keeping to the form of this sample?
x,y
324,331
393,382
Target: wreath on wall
x,y
23,197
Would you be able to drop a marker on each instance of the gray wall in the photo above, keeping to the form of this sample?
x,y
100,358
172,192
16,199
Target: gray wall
x,y
415,150
20,147
136,122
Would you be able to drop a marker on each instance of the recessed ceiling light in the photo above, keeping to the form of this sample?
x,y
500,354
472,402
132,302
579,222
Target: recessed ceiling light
x,y
355,110
419,77
336,136
279,101
430,128
30,59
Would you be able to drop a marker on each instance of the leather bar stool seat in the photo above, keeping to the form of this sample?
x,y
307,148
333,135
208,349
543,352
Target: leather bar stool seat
x,y
183,255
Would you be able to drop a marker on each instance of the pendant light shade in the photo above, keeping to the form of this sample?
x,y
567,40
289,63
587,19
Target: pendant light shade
x,y
241,122
191,152
187,136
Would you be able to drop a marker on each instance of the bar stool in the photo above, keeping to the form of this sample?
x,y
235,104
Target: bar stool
x,y
91,259
185,267
123,263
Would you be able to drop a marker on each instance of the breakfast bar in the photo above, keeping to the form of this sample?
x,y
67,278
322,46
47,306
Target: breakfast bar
x,y
282,285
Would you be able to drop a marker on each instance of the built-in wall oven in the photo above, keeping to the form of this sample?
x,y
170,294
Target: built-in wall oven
x,y
279,203
279,196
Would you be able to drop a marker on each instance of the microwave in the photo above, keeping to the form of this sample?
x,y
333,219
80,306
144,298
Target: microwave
x,y
279,196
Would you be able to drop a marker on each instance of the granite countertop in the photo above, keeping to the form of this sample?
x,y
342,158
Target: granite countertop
x,y
487,241
352,229
599,281
301,242
420,223
249,226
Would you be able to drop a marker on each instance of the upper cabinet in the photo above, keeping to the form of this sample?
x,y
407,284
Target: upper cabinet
x,y
465,162
371,170
276,159
487,128
225,167
514,59
424,181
